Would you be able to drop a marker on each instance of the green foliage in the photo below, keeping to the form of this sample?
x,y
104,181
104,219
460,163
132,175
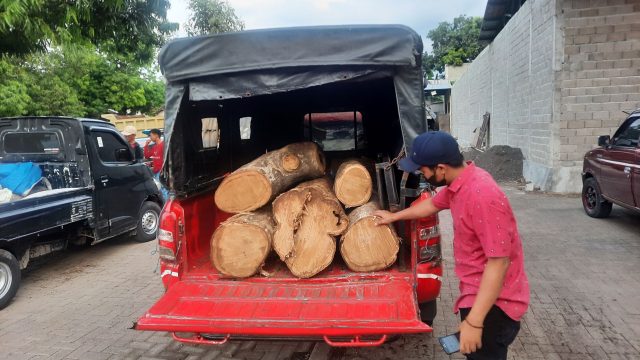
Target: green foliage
x,y
212,17
14,97
77,81
453,43
50,96
130,28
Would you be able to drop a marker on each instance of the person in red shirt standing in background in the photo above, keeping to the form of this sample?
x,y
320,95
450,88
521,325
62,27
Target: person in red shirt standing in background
x,y
494,290
155,152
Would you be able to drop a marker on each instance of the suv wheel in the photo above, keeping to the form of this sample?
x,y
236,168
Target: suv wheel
x,y
592,201
148,222
9,277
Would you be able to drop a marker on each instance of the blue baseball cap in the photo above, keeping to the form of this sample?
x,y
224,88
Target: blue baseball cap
x,y
430,149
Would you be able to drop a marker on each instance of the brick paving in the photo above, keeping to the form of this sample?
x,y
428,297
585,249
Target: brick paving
x,y
584,274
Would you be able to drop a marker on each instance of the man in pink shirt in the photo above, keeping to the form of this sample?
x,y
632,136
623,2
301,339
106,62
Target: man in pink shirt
x,y
494,290
155,152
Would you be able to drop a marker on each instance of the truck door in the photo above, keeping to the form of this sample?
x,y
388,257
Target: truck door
x,y
119,182
619,162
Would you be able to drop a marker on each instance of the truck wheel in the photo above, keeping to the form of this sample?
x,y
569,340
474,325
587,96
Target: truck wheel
x,y
428,311
148,222
9,277
592,201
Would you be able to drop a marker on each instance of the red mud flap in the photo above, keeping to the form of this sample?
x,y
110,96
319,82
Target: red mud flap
x,y
354,310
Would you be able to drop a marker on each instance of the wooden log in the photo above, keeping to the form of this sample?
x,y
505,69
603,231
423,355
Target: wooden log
x,y
240,245
366,246
353,184
257,183
308,218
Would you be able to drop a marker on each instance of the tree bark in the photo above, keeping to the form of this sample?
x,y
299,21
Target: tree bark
x,y
308,218
366,246
260,181
240,245
353,185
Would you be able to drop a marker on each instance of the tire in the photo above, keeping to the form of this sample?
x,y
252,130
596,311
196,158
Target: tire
x,y
428,312
10,277
592,201
148,222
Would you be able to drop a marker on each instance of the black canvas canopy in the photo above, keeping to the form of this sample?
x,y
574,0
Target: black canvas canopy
x,y
259,62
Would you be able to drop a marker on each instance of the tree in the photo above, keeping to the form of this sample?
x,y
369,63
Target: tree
x,y
131,28
453,43
77,81
212,17
14,97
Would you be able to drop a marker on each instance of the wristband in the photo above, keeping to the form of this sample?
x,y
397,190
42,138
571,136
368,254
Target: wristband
x,y
473,326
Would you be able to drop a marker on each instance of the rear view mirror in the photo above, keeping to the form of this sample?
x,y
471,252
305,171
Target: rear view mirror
x,y
604,140
123,155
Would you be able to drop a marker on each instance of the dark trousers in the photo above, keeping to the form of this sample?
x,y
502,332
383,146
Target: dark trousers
x,y
498,333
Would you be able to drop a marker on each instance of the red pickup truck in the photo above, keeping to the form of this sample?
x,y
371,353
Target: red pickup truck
x,y
356,91
611,172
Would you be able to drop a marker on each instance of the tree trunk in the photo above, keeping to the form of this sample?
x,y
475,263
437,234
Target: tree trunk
x,y
353,185
366,246
308,218
240,245
260,181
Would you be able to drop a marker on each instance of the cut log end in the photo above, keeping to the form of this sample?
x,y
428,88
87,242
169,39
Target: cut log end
x,y
369,247
353,185
366,246
256,191
308,217
239,250
290,162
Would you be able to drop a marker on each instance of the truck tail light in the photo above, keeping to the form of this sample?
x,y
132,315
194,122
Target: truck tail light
x,y
428,234
428,242
171,231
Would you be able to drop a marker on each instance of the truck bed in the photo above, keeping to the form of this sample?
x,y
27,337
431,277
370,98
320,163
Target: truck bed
x,y
336,302
43,211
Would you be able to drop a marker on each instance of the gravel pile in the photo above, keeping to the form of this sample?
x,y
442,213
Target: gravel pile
x,y
503,162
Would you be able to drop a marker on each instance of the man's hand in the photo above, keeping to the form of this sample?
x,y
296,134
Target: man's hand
x,y
470,338
384,217
147,142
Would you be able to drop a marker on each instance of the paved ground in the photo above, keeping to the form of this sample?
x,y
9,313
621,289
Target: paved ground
x,y
584,274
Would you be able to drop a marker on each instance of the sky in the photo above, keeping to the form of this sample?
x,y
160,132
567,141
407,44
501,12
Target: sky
x,y
420,15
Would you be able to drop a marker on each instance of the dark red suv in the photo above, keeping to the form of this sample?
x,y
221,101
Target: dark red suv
x,y
611,172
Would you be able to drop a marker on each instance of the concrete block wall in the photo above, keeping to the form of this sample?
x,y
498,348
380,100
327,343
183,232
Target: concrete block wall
x,y
599,78
556,77
513,79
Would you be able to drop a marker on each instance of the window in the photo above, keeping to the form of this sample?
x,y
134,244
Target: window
x,y
245,128
336,131
31,143
111,148
210,133
629,133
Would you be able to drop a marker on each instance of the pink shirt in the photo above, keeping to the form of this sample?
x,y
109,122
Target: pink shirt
x,y
484,227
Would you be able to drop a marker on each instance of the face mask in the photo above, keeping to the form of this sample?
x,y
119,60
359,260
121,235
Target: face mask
x,y
432,180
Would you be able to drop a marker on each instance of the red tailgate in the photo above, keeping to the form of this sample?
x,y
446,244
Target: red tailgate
x,y
384,305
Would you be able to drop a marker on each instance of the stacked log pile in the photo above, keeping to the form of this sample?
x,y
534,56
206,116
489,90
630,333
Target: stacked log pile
x,y
283,201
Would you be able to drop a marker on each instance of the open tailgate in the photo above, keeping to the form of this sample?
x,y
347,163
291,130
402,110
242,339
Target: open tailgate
x,y
269,308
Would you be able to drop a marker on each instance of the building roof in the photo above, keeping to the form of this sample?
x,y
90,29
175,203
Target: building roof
x,y
496,15
437,85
